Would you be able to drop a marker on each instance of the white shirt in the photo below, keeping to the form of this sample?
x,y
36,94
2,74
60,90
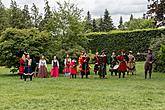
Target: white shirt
x,y
42,63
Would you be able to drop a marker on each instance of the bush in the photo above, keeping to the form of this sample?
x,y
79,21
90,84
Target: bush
x,y
158,47
136,40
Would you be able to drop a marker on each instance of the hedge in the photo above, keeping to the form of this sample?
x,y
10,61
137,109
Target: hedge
x,y
136,40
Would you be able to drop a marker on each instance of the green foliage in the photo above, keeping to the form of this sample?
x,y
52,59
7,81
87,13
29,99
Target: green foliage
x,y
139,24
12,40
137,40
158,47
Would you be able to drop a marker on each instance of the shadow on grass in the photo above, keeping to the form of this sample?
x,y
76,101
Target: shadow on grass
x,y
8,75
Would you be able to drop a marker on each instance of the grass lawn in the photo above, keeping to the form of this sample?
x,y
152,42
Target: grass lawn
x,y
131,93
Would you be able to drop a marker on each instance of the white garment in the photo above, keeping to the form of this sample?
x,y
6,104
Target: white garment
x,y
42,63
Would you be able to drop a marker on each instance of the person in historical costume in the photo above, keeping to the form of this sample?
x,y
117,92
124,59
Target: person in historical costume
x,y
67,62
131,63
42,68
73,66
102,66
85,66
55,67
80,61
97,63
122,63
28,68
22,66
113,63
148,63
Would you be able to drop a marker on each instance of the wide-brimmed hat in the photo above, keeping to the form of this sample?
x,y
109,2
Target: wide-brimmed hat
x,y
149,49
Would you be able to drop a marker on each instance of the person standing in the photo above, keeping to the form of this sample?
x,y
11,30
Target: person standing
x,y
42,68
131,63
148,63
85,66
103,61
28,68
22,66
73,68
113,62
67,62
55,67
97,63
122,63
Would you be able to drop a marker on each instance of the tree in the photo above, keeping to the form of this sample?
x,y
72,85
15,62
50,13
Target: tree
x,y
88,23
66,27
107,22
95,27
3,17
121,26
156,10
47,16
13,40
131,17
26,18
139,24
15,15
36,18
101,25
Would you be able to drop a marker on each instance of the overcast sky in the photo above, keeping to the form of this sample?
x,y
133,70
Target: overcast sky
x,y
116,8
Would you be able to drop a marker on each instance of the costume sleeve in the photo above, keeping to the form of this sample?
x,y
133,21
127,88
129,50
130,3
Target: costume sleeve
x,y
58,64
52,62
39,65
45,64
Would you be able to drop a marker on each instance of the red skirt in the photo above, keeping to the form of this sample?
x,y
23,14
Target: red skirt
x,y
66,69
122,66
74,70
55,72
21,70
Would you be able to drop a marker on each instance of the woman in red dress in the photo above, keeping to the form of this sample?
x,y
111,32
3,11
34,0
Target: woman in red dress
x,y
73,66
122,63
55,68
22,65
67,62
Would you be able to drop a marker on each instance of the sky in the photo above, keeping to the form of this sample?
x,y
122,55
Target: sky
x,y
116,8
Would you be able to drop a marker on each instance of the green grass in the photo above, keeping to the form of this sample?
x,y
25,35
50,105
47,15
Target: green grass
x,y
131,93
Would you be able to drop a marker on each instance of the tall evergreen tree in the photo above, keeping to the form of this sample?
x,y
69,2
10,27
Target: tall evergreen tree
x,y
88,23
94,25
15,15
36,17
108,24
47,16
121,26
26,18
101,25
3,17
131,17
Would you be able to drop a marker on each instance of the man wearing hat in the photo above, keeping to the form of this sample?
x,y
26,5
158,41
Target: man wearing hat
x,y
148,63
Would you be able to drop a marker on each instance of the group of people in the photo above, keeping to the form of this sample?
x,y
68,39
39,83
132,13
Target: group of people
x,y
118,64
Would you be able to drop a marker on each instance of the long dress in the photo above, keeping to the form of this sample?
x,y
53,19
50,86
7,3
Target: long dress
x,y
97,62
73,67
131,63
122,64
67,62
21,68
42,69
55,68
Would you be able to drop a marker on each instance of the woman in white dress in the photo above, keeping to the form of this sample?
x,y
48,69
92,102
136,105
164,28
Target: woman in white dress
x,y
42,68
